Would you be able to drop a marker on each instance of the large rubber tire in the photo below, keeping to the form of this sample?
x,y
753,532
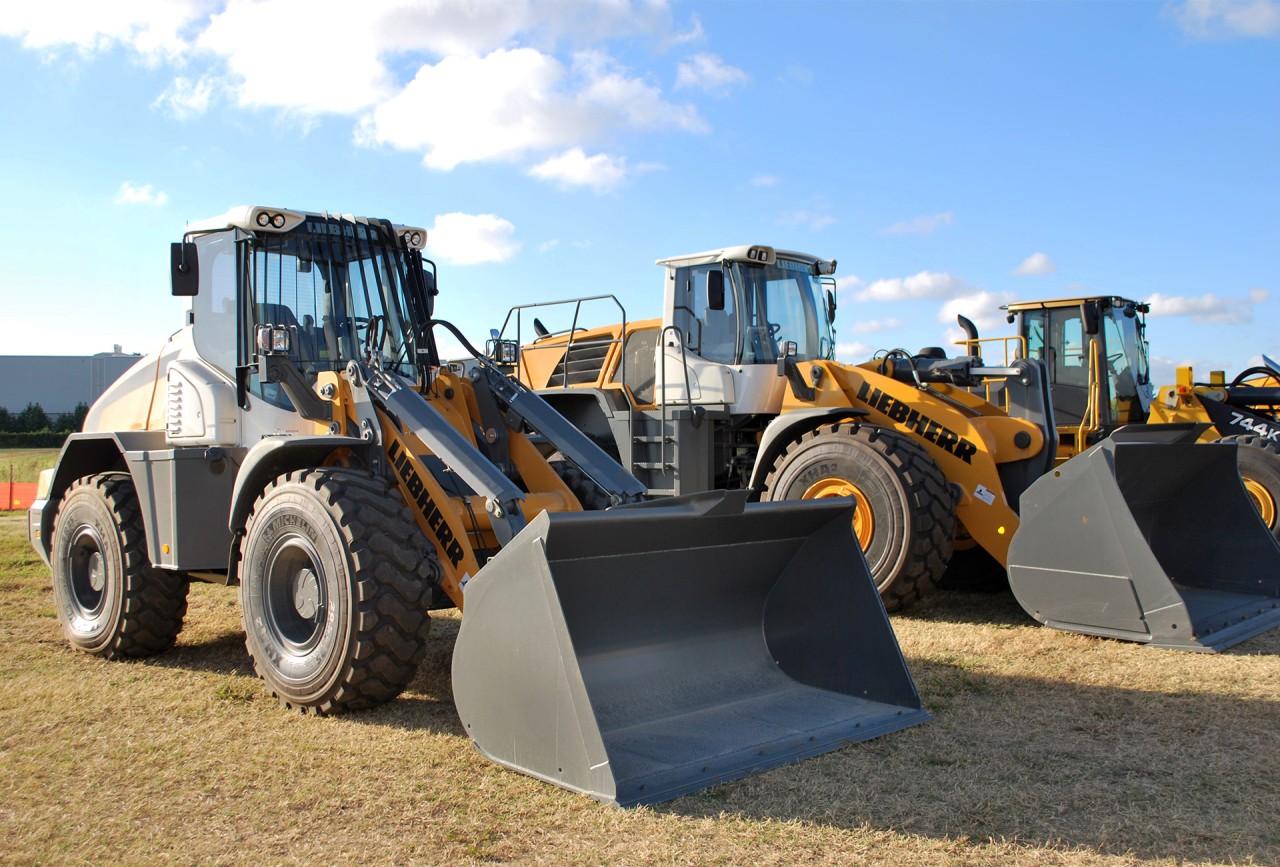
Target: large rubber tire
x,y
111,601
335,580
906,519
1259,463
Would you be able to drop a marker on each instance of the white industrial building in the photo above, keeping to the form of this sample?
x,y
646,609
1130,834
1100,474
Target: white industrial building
x,y
59,382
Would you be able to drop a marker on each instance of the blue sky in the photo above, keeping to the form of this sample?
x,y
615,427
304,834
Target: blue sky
x,y
952,156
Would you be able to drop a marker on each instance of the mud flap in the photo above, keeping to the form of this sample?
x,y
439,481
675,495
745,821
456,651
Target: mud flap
x,y
640,654
1148,542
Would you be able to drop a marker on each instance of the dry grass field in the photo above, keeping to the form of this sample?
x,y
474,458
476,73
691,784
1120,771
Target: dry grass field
x,y
1047,748
25,464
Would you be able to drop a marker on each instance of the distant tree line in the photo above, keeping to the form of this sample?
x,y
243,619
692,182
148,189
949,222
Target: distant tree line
x,y
35,428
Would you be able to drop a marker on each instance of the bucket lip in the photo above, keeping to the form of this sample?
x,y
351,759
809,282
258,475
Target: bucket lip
x,y
842,736
905,718
1210,642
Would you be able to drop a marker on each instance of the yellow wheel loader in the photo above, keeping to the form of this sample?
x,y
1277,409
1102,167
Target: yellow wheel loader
x,y
736,388
298,438
1095,350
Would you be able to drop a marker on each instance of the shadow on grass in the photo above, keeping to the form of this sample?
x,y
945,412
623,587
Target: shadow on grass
x,y
1000,609
1024,761
1043,763
425,705
224,654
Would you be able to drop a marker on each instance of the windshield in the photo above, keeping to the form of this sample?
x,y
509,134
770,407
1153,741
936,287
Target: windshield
x,y
1127,365
344,289
778,303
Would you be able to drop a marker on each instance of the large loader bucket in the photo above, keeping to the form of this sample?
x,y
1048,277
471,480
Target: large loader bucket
x,y
1147,542
643,653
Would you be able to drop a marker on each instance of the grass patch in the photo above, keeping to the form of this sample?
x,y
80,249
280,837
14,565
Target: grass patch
x,y
26,464
1047,748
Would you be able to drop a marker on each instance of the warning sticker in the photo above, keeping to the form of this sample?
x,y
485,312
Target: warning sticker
x,y
985,495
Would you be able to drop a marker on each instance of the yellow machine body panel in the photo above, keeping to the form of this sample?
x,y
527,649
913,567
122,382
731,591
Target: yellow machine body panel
x,y
967,447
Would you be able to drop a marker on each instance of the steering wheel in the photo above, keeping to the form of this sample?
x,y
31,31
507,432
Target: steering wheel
x,y
774,328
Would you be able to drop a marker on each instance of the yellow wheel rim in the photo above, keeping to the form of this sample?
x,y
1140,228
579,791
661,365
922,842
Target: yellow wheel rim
x,y
1263,500
864,523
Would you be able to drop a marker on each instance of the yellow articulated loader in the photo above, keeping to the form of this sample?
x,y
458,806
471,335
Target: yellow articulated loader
x,y
299,438
1096,352
736,387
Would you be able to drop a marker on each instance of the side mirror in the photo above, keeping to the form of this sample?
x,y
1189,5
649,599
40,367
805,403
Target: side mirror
x,y
1089,313
429,281
715,290
831,307
184,269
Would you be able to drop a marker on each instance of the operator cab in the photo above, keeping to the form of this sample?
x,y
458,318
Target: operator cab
x,y
1089,345
326,289
749,305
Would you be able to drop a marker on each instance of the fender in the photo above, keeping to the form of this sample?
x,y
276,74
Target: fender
x,y
789,426
84,454
272,457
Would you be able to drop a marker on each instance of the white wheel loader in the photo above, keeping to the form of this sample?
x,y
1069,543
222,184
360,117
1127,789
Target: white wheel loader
x,y
298,438
736,387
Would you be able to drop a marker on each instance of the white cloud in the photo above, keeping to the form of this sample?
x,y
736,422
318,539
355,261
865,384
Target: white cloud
x,y
849,284
1208,307
853,353
574,168
185,98
456,80
799,74
694,34
1226,19
472,239
764,181
980,307
276,54
152,28
1035,265
926,284
871,326
709,73
548,246
130,194
812,220
925,225
512,102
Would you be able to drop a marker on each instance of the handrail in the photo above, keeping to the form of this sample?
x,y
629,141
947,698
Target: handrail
x,y
688,388
619,340
1019,344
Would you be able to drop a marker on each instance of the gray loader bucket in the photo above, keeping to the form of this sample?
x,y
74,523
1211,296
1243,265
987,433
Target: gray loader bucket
x,y
1147,542
646,652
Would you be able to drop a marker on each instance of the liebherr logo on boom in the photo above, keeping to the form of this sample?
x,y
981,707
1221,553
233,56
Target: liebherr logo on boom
x,y
917,422
416,493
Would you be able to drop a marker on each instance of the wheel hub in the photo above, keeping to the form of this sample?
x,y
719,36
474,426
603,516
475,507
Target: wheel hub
x,y
88,571
1262,500
295,595
864,522
306,593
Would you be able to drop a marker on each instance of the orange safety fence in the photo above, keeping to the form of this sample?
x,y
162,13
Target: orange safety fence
x,y
16,495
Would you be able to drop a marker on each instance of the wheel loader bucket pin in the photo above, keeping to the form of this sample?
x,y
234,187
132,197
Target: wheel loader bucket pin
x,y
1150,542
647,652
